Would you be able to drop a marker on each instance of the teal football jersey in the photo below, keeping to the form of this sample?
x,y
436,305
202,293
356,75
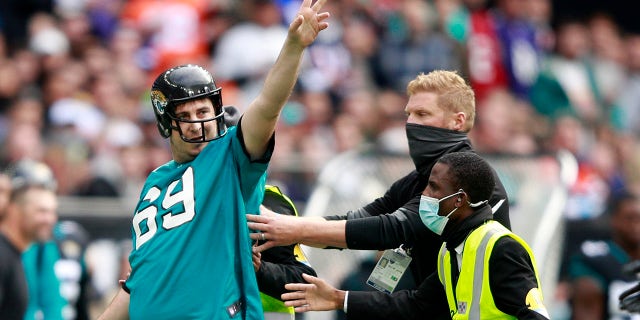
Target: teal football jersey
x,y
191,256
45,298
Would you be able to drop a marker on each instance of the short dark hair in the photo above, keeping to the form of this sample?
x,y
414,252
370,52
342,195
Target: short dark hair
x,y
471,173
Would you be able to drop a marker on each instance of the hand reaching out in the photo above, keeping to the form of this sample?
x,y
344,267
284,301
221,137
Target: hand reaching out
x,y
275,229
317,295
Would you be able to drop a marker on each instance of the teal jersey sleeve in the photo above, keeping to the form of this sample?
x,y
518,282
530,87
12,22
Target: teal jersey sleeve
x,y
253,192
191,256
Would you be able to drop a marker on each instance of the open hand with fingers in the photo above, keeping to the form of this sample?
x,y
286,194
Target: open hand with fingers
x,y
308,23
273,229
317,295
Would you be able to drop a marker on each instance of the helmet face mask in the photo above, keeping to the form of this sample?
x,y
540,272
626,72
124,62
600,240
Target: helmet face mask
x,y
182,84
204,132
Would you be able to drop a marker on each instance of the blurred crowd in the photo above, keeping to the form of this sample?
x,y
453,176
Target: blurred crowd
x,y
75,75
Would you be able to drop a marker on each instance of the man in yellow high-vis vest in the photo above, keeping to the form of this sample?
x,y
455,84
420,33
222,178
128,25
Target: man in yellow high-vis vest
x,y
279,265
484,270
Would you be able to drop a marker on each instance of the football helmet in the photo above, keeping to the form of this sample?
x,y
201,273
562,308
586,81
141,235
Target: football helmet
x,y
181,84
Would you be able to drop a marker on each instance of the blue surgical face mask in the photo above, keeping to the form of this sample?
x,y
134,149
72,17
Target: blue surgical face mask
x,y
429,213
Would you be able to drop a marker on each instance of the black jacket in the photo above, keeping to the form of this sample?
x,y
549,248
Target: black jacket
x,y
13,282
279,267
511,277
394,220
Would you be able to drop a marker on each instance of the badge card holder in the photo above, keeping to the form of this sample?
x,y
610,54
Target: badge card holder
x,y
389,269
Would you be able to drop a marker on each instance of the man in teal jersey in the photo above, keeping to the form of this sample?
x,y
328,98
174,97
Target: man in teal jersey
x,y
191,256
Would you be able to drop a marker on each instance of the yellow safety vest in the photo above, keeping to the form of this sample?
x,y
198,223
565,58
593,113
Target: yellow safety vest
x,y
472,298
269,303
273,305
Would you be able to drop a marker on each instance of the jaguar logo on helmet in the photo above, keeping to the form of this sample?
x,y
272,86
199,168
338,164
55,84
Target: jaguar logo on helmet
x,y
159,101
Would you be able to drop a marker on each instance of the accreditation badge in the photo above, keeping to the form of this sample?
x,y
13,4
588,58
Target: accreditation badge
x,y
389,269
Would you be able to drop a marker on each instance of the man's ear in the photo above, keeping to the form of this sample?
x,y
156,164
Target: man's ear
x,y
458,203
460,119
461,197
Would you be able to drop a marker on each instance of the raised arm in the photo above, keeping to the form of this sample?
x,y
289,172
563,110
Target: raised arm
x,y
259,121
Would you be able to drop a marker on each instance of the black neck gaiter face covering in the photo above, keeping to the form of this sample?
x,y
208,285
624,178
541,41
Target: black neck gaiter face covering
x,y
427,144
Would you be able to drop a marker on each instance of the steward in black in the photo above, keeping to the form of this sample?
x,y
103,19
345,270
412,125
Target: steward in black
x,y
393,220
510,272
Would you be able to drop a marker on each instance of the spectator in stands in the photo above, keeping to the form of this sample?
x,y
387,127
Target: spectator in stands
x,y
5,192
608,55
412,46
521,54
540,14
473,25
597,271
15,15
247,50
567,84
629,98
505,125
172,29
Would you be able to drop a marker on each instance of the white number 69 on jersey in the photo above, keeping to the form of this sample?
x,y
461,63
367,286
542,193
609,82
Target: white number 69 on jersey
x,y
170,219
